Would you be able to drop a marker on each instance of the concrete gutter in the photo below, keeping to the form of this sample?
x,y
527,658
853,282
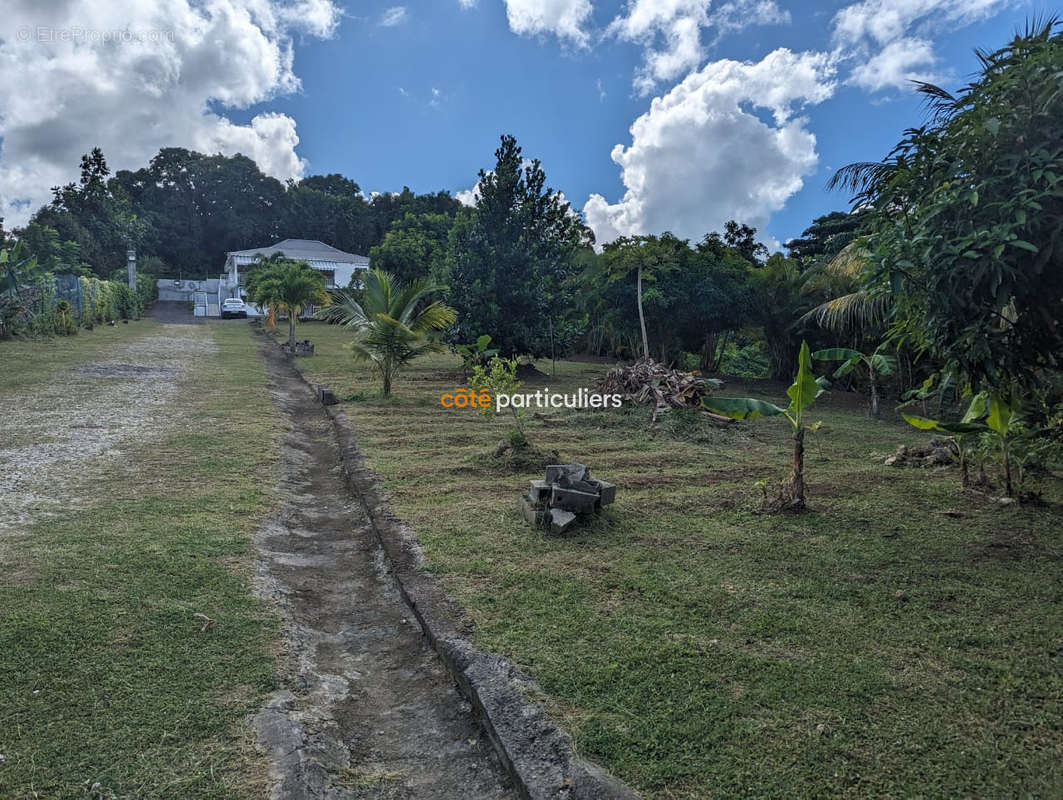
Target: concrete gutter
x,y
538,755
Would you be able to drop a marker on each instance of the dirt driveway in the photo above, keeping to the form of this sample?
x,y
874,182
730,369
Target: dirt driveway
x,y
368,710
53,429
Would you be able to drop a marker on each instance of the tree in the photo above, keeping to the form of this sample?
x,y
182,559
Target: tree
x,y
510,261
966,220
690,297
200,207
287,285
52,254
826,237
96,214
779,288
391,322
803,392
877,364
414,247
742,238
648,256
331,209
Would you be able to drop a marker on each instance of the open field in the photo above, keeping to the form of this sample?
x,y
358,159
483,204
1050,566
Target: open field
x,y
138,459
901,638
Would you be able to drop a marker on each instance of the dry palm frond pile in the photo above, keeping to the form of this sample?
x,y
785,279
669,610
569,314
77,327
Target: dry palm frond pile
x,y
647,382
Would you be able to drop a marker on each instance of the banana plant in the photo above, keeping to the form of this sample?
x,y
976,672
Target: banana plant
x,y
803,392
877,363
988,413
477,354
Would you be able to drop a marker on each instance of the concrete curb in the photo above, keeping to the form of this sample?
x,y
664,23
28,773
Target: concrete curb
x,y
539,756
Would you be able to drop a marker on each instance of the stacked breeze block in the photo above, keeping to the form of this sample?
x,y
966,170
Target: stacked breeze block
x,y
568,493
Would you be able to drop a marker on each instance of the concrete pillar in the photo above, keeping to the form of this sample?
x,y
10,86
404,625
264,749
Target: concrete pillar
x,y
131,265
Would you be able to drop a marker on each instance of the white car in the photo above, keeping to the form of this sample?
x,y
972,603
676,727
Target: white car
x,y
233,307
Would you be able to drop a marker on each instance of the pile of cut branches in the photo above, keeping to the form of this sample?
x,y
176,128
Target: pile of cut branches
x,y
647,382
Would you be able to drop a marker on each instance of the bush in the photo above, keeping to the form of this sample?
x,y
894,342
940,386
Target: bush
x,y
745,361
65,324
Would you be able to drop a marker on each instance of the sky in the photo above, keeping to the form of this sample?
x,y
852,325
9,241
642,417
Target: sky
x,y
649,115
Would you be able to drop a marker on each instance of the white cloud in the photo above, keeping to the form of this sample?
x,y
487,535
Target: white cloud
x,y
467,3
566,19
895,65
468,197
65,89
703,155
393,16
671,32
889,40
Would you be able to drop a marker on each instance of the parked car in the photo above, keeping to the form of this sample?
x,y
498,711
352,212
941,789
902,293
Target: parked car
x,y
233,307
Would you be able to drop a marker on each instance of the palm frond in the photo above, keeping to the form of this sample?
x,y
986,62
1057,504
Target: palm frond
x,y
851,311
850,261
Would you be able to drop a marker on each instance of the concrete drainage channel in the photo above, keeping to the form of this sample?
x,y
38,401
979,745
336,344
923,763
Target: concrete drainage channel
x,y
538,757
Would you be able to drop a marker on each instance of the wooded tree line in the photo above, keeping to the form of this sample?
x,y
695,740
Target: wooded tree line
x,y
949,260
185,210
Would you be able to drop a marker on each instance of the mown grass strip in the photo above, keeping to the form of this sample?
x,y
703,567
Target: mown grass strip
x,y
875,646
109,676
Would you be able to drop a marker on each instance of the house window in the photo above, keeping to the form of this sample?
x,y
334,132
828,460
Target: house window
x,y
330,278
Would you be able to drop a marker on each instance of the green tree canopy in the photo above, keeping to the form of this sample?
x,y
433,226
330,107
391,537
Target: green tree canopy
x,y
414,247
510,261
967,218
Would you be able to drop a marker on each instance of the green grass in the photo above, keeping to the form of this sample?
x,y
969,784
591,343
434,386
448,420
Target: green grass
x,y
107,676
900,639
27,361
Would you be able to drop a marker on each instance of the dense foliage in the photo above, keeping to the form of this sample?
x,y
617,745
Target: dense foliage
x,y
966,218
509,263
185,210
36,301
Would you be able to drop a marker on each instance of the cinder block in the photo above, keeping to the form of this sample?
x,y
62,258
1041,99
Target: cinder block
x,y
606,492
540,491
571,500
576,472
532,512
561,522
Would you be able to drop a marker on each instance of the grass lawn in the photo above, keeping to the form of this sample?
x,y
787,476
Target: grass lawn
x,y
111,689
900,639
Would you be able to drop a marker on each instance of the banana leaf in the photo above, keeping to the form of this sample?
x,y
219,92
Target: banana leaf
x,y
741,407
924,424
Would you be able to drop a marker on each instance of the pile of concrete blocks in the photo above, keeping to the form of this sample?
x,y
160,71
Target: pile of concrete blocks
x,y
303,348
568,493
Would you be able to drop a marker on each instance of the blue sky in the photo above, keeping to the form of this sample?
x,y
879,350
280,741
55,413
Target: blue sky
x,y
757,100
422,102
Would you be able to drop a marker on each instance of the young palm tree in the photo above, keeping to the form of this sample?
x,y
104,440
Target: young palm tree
x,y
391,322
289,286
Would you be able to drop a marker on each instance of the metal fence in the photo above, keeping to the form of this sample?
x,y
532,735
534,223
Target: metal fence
x,y
68,287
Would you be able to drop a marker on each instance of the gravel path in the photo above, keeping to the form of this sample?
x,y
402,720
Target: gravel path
x,y
51,430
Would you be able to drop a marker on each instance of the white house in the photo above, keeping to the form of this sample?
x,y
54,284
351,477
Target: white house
x,y
338,267
207,295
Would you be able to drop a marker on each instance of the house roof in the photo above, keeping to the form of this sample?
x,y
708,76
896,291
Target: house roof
x,y
305,250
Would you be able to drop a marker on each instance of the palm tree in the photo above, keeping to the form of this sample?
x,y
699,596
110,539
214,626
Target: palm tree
x,y
391,321
289,286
